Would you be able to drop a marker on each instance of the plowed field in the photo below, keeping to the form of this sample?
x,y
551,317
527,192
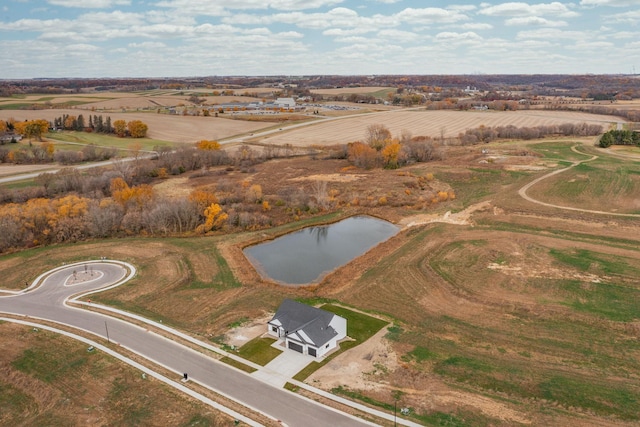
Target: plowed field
x,y
428,123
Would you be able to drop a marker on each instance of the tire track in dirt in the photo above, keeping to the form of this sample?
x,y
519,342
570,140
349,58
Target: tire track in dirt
x,y
523,191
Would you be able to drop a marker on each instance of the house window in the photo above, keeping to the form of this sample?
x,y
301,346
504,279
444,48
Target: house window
x,y
326,346
274,329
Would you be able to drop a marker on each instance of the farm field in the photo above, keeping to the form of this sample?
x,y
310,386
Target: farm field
x,y
503,312
170,128
428,123
111,101
365,90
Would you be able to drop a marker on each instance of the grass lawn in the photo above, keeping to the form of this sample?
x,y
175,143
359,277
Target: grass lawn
x,y
259,351
103,140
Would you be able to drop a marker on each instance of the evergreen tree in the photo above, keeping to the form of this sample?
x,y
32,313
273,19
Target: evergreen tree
x,y
80,123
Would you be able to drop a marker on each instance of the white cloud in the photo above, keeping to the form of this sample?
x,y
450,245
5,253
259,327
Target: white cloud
x,y
614,3
476,26
216,8
399,35
534,20
630,17
81,48
341,32
525,9
430,15
89,4
462,7
147,45
552,34
458,37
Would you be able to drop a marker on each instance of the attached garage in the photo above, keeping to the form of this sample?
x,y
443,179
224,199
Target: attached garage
x,y
312,352
296,347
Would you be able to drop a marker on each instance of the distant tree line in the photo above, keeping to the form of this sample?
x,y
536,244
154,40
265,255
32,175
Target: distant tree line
x,y
95,123
620,137
484,134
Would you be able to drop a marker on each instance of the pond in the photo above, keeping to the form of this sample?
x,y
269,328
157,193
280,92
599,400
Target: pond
x,y
306,256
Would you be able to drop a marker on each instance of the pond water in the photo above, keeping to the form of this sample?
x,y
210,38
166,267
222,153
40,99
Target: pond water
x,y
306,256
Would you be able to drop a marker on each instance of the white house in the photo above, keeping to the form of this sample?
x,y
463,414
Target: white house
x,y
306,329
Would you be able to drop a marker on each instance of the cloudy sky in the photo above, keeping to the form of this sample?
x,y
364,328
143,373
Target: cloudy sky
x,y
163,38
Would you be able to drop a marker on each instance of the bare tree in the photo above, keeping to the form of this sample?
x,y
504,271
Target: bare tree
x,y
376,136
319,191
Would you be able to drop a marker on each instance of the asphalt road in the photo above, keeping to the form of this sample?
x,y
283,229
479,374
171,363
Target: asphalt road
x,y
47,302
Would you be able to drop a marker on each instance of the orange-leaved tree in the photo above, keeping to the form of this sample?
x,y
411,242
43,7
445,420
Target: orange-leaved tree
x,y
391,154
32,128
208,145
202,199
214,218
120,128
137,129
362,155
136,197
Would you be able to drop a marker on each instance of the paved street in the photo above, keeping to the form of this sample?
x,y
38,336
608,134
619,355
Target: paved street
x,y
46,301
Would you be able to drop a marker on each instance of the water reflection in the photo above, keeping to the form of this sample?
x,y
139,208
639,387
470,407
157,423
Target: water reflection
x,y
321,233
307,255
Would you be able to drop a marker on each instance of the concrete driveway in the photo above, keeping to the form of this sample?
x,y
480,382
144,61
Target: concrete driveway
x,y
281,369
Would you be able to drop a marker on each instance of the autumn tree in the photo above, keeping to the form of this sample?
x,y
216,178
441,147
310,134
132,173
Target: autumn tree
x,y
120,128
202,199
390,155
377,136
214,218
131,197
137,129
362,155
32,128
254,193
70,123
208,145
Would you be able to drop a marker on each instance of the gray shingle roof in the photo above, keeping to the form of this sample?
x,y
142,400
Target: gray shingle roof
x,y
304,323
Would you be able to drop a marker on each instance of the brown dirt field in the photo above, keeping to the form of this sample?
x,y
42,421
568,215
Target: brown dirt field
x,y
180,129
349,90
426,123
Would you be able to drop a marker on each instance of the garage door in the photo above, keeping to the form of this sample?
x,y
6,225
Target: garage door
x,y
312,352
296,347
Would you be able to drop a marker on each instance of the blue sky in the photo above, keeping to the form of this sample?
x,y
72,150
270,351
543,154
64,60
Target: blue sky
x,y
165,38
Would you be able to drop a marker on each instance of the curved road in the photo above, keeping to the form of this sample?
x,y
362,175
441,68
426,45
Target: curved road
x,y
46,298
